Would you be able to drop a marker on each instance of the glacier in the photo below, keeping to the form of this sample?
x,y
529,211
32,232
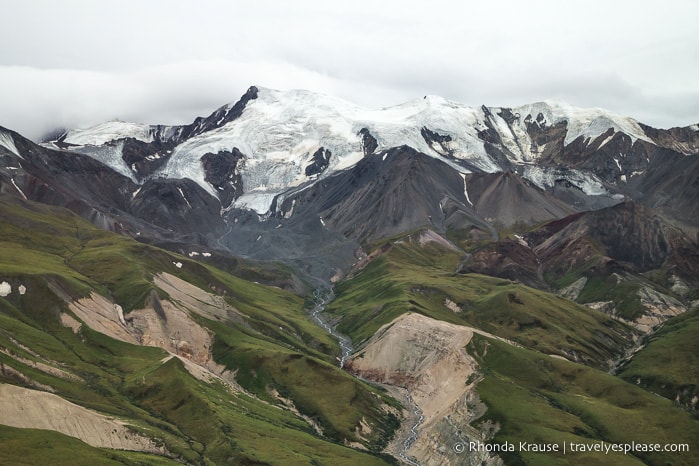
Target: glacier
x,y
279,131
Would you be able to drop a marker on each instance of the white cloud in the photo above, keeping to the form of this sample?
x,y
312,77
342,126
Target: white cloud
x,y
166,94
76,63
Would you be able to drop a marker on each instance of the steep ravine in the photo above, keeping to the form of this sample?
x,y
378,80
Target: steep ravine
x,y
323,297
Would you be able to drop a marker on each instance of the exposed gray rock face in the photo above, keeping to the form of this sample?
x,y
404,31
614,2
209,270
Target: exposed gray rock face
x,y
177,205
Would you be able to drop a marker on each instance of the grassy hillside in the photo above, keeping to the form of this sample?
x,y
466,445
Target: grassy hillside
x,y
54,258
293,405
33,446
531,396
539,399
669,364
421,278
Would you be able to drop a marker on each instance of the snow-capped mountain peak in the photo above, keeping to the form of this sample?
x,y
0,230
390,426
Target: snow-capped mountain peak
x,y
272,140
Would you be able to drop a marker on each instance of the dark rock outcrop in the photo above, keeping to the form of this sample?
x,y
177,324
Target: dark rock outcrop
x,y
369,143
438,142
221,172
319,162
178,205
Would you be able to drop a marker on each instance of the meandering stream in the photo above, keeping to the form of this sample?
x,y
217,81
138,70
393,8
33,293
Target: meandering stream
x,y
322,298
412,436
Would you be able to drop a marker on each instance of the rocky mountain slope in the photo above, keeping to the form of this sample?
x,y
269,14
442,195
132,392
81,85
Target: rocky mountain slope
x,y
274,155
625,260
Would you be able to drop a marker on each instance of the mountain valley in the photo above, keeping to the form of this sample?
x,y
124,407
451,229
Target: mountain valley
x,y
525,274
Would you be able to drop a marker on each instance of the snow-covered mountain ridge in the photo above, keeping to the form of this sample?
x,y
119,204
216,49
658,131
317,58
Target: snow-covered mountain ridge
x,y
283,139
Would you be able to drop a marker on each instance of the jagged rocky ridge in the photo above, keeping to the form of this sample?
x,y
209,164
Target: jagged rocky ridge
x,y
283,139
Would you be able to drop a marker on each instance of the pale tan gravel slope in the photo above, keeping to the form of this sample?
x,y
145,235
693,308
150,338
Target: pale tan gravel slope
x,y
424,362
26,408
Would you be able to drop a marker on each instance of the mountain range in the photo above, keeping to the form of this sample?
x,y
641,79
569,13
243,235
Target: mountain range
x,y
545,251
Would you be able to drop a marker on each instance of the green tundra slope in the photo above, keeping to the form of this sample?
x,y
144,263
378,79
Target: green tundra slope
x,y
532,394
537,399
413,275
117,352
669,364
201,367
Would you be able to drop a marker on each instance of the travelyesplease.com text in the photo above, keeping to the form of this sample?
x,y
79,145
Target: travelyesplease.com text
x,y
570,447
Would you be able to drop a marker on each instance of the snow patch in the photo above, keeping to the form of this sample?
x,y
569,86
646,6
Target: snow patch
x,y
258,201
22,290
514,137
206,254
107,132
291,211
111,156
606,140
546,177
120,314
17,188
8,142
5,289
463,175
184,197
520,239
177,264
617,163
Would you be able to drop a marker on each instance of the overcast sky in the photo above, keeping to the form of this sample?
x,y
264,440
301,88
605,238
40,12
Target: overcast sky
x,y
76,63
